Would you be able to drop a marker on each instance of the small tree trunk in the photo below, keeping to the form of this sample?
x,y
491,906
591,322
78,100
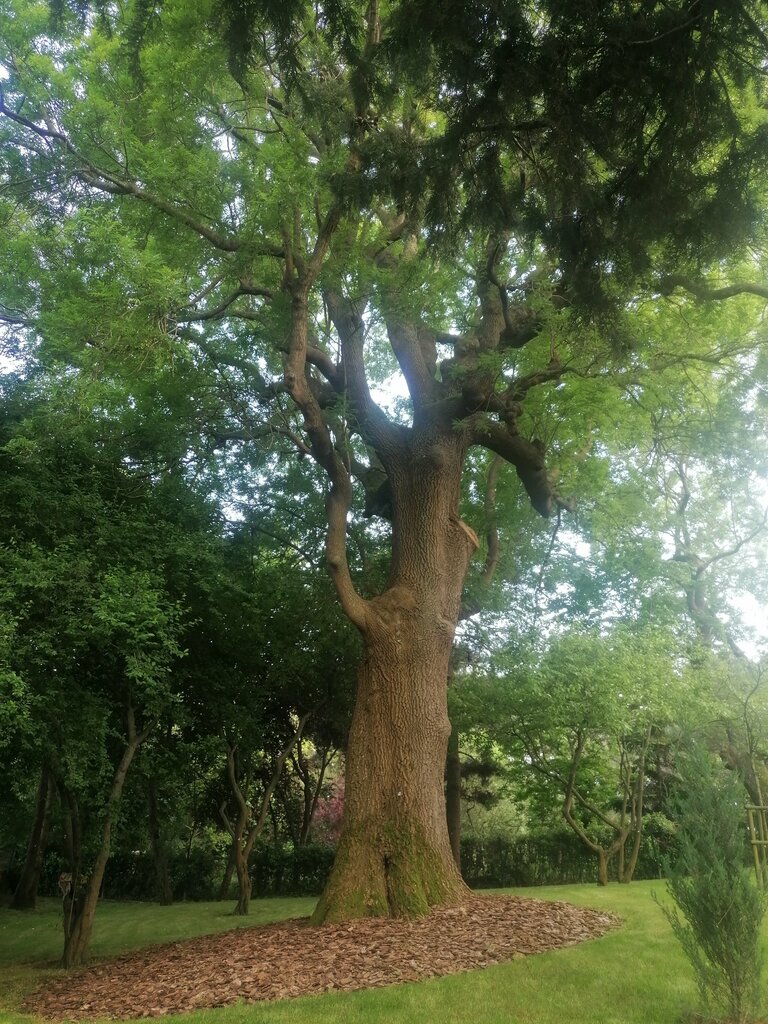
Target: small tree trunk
x,y
244,831
602,867
453,796
163,887
25,895
243,882
226,881
239,827
312,793
80,908
620,869
630,863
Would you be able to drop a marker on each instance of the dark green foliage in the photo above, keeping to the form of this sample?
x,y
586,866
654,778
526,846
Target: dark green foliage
x,y
572,124
714,891
196,873
130,875
558,858
283,871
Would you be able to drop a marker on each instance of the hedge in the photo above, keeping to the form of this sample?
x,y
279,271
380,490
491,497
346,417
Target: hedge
x,y
553,859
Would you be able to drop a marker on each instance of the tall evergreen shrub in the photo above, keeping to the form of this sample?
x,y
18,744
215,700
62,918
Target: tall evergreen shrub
x,y
718,908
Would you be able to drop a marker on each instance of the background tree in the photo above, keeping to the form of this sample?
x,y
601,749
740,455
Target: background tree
x,y
581,721
93,560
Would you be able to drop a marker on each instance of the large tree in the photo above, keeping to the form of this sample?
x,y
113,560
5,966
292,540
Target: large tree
x,y
281,205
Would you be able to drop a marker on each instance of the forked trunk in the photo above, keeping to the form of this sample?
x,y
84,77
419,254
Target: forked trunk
x,y
394,857
243,882
629,864
244,829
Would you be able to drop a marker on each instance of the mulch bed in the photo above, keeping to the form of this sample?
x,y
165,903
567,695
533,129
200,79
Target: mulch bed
x,y
293,959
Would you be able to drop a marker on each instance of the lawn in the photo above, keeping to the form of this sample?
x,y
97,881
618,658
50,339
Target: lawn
x,y
635,974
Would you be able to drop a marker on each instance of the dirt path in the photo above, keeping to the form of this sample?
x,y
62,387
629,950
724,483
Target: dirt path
x,y
292,958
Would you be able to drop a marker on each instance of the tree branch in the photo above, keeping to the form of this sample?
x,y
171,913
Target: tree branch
x,y
491,529
706,294
526,456
339,498
102,180
218,311
411,347
277,771
373,423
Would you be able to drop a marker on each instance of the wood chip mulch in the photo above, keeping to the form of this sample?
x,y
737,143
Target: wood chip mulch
x,y
293,959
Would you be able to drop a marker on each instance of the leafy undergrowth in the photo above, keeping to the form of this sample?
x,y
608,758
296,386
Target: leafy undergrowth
x,y
293,959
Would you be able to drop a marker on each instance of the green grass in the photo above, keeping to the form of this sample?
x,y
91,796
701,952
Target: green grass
x,y
635,975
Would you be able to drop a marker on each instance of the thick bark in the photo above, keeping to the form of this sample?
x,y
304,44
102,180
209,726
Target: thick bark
x,y
25,894
394,856
453,796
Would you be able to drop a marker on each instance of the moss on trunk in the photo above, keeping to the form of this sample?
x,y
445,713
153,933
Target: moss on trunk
x,y
388,871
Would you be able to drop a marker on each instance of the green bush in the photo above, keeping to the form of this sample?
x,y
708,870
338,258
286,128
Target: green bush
x,y
280,870
718,907
130,875
283,871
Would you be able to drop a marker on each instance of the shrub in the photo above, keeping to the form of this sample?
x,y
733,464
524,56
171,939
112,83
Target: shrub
x,y
714,891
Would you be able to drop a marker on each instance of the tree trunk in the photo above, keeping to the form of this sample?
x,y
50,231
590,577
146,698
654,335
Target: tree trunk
x,y
629,864
238,829
394,857
25,895
311,790
453,796
80,908
602,867
637,810
245,831
163,887
243,881
226,881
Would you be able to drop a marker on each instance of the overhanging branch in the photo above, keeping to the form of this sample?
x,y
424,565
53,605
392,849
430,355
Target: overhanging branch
x,y
526,456
706,294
